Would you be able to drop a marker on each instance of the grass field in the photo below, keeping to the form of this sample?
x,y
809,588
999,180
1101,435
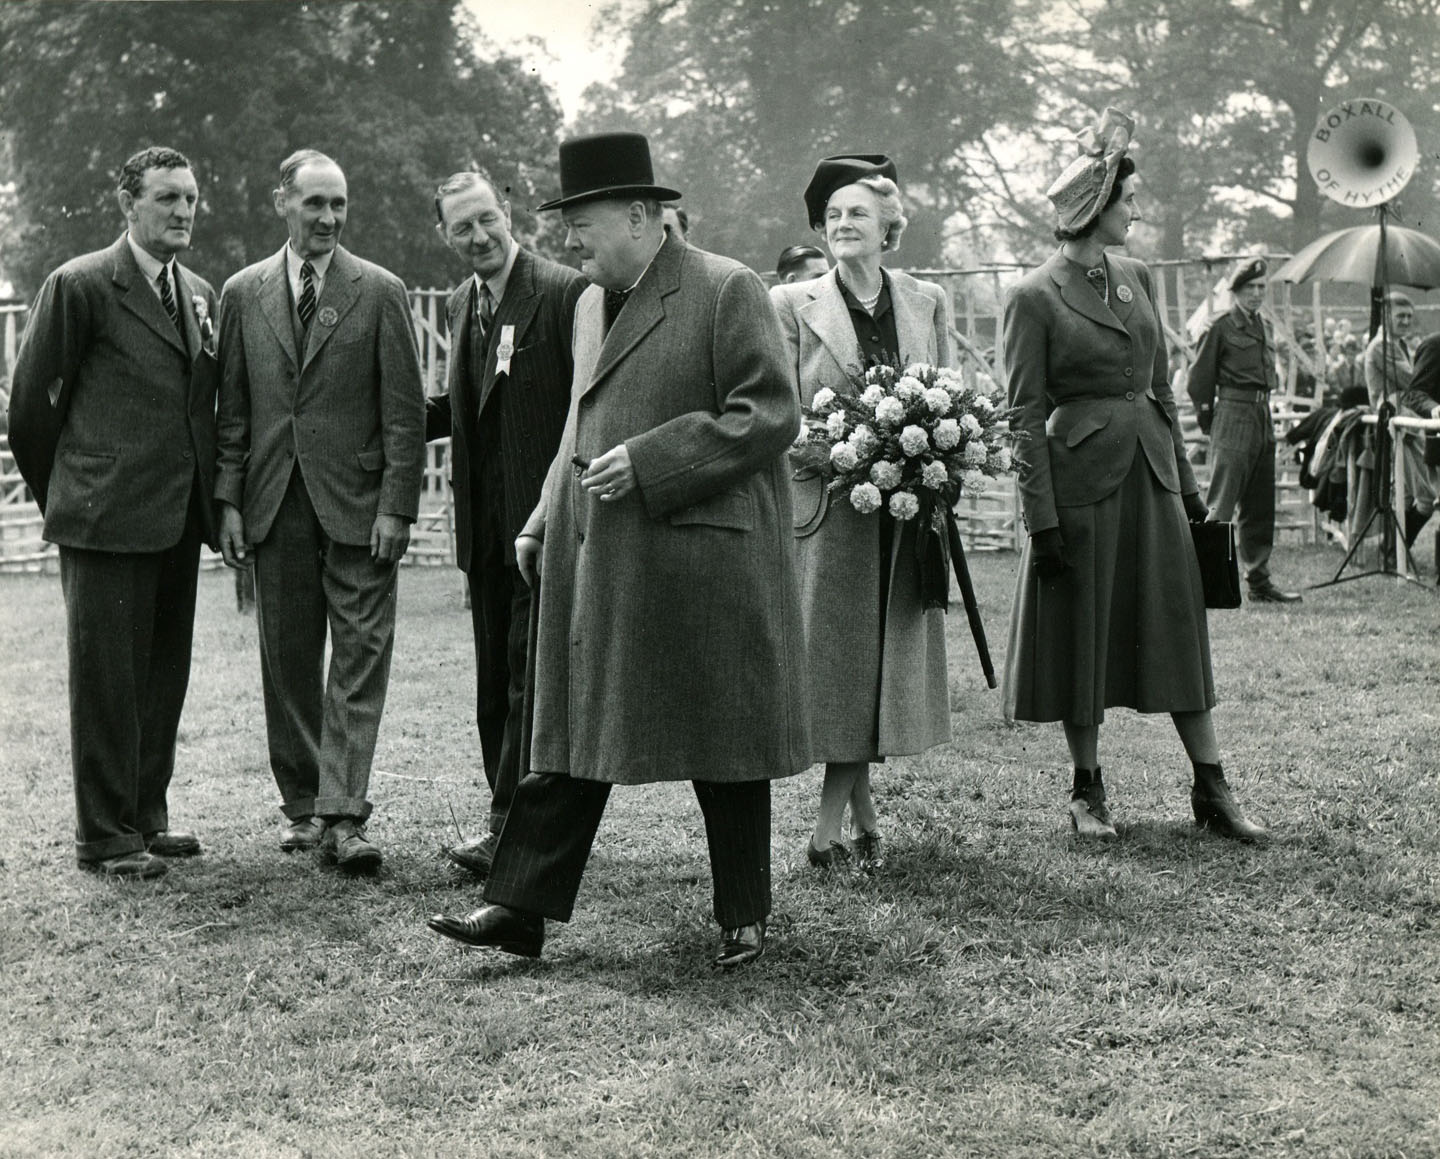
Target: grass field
x,y
995,991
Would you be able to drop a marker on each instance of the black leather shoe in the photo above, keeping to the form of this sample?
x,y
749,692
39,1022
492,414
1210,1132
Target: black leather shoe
x,y
172,843
475,853
869,851
1268,593
306,833
742,946
495,927
1089,813
1215,808
832,858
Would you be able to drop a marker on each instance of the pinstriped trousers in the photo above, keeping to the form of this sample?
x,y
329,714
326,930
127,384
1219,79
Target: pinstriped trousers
x,y
552,824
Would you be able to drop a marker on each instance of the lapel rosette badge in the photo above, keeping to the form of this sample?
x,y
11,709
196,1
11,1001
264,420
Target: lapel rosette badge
x,y
327,316
202,318
908,443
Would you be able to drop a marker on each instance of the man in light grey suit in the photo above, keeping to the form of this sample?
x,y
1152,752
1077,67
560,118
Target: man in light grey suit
x,y
322,448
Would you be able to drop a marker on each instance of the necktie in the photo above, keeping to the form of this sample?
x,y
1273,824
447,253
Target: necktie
x,y
167,296
614,303
306,305
485,310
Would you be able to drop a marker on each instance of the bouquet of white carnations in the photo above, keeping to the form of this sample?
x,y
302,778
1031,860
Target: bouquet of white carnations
x,y
910,441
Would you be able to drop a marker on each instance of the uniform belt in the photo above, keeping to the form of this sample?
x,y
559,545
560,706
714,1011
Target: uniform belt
x,y
1235,394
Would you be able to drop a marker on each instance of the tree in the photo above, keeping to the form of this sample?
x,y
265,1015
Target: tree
x,y
740,98
390,89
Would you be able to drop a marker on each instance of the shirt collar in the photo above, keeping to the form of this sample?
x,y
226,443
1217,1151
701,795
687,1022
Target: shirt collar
x,y
498,282
293,261
149,264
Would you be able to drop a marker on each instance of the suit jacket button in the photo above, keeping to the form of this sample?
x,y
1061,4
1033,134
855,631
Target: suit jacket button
x,y
1129,372
587,401
1129,394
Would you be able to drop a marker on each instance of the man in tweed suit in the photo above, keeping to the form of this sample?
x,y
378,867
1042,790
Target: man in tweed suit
x,y
322,451
508,388
668,645
112,424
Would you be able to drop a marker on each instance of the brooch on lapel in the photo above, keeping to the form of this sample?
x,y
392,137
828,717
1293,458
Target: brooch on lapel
x,y
1123,293
202,316
327,316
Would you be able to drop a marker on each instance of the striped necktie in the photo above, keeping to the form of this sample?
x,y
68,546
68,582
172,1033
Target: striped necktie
x,y
484,311
167,296
306,305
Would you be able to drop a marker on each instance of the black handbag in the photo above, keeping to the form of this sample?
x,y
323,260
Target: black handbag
x,y
1219,567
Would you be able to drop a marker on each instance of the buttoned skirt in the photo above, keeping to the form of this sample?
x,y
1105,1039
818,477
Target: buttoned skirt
x,y
1124,626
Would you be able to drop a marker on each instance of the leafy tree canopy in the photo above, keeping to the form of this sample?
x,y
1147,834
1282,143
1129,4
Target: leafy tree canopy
x,y
401,93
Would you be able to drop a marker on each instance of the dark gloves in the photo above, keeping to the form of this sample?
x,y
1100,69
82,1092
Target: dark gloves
x,y
1047,553
1195,509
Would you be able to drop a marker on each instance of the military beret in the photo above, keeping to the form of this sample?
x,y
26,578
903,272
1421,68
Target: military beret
x,y
1255,268
837,172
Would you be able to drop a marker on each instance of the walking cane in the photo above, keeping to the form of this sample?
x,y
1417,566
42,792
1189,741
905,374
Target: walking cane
x,y
527,713
967,593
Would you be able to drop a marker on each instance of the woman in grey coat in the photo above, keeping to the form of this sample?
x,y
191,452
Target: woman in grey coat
x,y
875,657
1109,609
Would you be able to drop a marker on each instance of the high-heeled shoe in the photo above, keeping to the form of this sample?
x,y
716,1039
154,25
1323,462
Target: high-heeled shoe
x,y
831,857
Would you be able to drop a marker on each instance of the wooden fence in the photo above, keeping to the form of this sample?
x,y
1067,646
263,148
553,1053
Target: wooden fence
x,y
988,521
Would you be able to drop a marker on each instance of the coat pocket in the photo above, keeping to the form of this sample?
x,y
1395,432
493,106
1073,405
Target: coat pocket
x,y
1074,427
810,498
371,460
733,510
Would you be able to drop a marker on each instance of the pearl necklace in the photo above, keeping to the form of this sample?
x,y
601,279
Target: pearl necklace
x,y
866,304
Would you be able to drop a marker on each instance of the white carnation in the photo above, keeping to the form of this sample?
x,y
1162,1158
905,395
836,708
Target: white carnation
x,y
974,482
890,410
947,434
914,440
986,386
916,370
823,398
904,505
885,475
909,388
975,454
835,424
970,424
865,498
1000,458
863,439
843,457
871,395
938,400
934,476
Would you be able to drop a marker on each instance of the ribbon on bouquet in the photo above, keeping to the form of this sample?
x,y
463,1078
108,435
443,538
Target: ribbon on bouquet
x,y
938,551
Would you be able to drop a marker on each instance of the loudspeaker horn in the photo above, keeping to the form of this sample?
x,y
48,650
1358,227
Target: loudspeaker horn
x,y
1362,153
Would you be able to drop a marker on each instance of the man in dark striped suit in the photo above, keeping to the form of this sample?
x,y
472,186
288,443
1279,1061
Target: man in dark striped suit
x,y
508,390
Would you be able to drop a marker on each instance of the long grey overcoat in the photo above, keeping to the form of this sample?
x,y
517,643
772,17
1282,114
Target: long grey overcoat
x,y
668,641
877,686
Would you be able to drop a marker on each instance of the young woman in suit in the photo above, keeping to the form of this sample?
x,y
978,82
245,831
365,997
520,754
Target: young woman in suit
x,y
875,656
1109,609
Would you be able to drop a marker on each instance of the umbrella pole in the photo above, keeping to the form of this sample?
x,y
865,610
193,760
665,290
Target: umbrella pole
x,y
1392,534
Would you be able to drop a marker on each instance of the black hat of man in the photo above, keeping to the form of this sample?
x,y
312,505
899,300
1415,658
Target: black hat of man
x,y
1248,273
839,171
606,165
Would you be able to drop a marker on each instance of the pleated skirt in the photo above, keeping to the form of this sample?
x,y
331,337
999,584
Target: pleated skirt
x,y
1124,626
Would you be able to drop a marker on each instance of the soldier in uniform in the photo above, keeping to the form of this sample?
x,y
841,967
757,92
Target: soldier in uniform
x,y
1230,384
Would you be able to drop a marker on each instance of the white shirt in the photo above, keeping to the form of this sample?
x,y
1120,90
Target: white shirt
x,y
151,266
499,281
294,261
